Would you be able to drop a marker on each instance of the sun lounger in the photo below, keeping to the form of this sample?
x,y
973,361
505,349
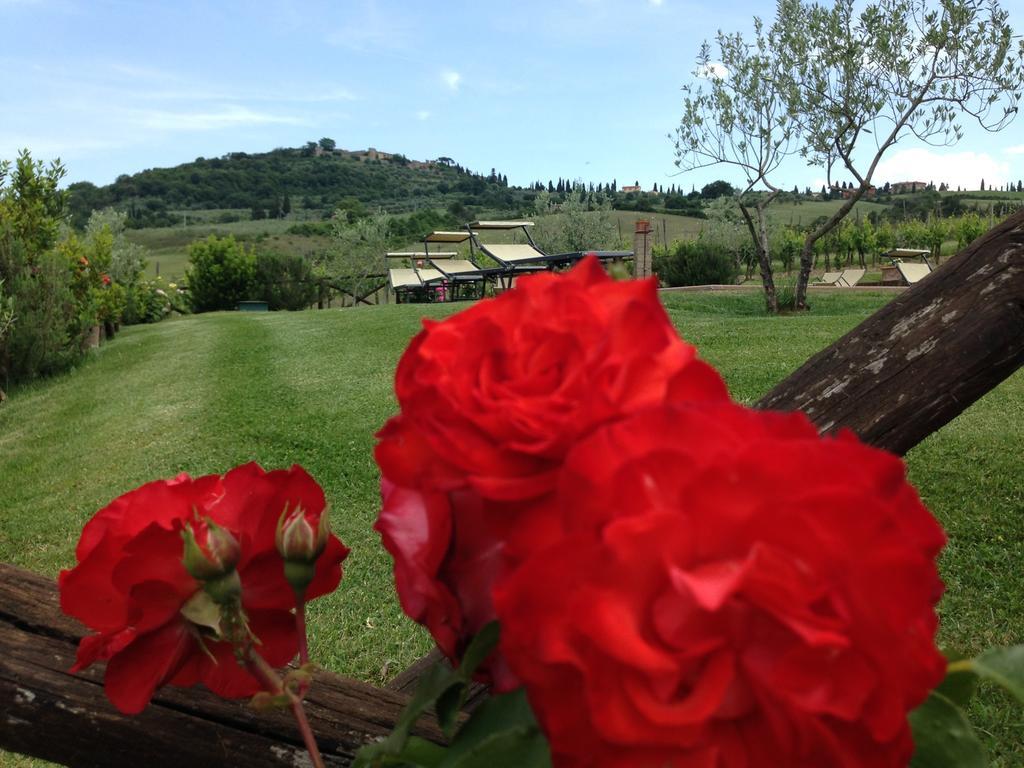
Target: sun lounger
x,y
912,273
513,257
463,278
417,283
829,278
850,277
404,283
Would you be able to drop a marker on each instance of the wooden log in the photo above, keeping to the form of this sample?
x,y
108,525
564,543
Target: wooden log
x,y
927,355
47,712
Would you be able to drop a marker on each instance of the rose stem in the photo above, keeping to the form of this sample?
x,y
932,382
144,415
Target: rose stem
x,y
300,630
263,672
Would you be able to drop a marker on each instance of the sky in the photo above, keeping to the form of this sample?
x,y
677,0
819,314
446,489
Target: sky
x,y
577,89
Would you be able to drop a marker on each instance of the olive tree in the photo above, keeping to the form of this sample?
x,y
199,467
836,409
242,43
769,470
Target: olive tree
x,y
355,262
859,79
576,224
736,114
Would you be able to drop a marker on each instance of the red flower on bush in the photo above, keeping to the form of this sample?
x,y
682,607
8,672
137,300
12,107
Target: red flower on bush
x,y
733,591
131,587
491,401
106,279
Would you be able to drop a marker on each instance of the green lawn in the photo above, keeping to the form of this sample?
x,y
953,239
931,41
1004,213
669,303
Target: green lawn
x,y
201,394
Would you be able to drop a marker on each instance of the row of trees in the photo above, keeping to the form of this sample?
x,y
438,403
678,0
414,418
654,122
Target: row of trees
x,y
724,246
838,86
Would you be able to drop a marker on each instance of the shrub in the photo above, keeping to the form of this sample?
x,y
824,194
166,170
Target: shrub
x,y
150,301
284,281
220,273
695,262
46,335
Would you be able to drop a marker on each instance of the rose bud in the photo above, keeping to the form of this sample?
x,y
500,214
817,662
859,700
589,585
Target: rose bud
x,y
210,557
300,544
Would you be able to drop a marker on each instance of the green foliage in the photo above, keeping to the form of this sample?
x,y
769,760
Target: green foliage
x,y
717,189
695,262
42,310
47,336
576,224
284,281
111,301
220,274
943,737
32,207
127,260
6,313
968,229
149,301
501,733
273,181
355,259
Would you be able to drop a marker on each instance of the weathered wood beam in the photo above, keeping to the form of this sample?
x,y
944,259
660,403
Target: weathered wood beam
x,y
47,712
922,359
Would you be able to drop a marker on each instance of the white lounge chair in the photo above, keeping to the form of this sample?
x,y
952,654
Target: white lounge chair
x,y
913,273
850,277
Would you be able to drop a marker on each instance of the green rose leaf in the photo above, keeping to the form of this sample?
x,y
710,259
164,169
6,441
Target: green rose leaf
x,y
479,649
502,733
443,689
432,684
1005,667
448,706
450,701
960,682
943,738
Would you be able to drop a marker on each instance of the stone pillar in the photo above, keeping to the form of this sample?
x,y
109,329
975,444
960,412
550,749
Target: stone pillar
x,y
643,240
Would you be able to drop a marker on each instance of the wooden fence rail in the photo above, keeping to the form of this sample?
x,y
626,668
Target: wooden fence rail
x,y
897,377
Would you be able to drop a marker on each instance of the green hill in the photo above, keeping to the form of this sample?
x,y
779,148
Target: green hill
x,y
283,181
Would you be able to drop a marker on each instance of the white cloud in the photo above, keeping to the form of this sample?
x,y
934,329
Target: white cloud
x,y
713,70
451,78
49,146
225,117
1017,150
957,169
423,114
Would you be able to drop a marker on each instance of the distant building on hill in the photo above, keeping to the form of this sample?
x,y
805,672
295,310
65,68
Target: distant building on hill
x,y
903,187
847,192
631,188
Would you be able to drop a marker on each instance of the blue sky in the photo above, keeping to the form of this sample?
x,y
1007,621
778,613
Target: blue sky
x,y
573,88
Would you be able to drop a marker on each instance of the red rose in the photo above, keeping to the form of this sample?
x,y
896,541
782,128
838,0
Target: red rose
x,y
734,592
491,401
131,587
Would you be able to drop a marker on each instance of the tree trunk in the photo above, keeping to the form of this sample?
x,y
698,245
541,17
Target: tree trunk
x,y
926,356
759,234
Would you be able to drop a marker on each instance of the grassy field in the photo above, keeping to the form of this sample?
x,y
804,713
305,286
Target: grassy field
x,y
202,394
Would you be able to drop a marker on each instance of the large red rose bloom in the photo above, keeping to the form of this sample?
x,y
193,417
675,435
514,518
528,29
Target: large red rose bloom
x,y
130,585
733,592
491,401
